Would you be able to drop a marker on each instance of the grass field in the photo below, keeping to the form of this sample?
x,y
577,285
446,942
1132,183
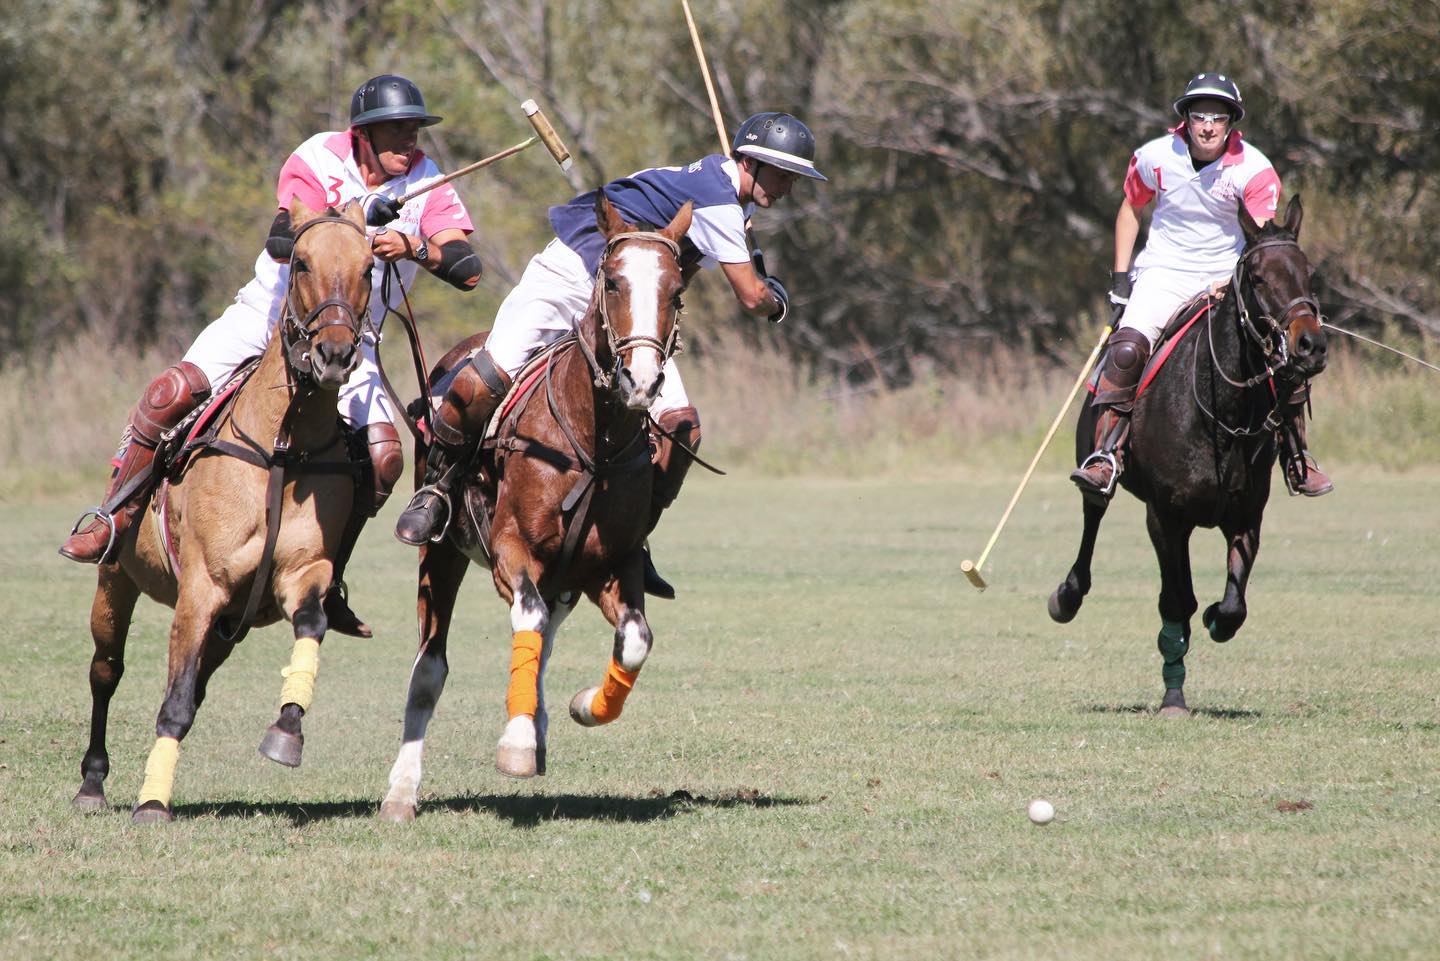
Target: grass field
x,y
828,755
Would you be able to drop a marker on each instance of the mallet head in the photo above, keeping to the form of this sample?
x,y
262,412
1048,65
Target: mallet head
x,y
547,135
972,571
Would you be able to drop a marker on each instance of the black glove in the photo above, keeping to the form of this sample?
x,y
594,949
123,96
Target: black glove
x,y
778,290
1119,288
382,210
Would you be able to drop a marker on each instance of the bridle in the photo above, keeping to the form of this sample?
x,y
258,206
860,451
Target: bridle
x,y
619,345
1272,341
296,334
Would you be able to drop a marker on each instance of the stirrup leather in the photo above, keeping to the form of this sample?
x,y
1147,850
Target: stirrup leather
x,y
1103,456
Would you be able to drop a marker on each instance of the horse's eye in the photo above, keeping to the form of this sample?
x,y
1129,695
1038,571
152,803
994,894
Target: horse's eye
x,y
299,266
677,302
611,287
370,269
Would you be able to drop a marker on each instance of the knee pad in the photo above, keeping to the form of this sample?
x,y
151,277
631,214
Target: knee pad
x,y
671,463
387,463
1124,363
176,392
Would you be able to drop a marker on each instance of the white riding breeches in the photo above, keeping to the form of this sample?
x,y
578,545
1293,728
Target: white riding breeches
x,y
1158,292
243,332
549,302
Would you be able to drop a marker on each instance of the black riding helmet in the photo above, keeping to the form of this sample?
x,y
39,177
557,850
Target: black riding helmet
x,y
780,140
388,97
1211,86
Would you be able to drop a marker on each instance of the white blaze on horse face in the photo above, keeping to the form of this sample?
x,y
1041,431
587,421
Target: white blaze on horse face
x,y
642,270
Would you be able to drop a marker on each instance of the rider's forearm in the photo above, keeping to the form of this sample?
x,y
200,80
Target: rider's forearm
x,y
1127,229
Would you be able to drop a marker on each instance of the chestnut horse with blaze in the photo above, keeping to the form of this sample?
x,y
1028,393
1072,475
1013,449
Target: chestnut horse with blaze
x,y
561,504
278,457
1203,438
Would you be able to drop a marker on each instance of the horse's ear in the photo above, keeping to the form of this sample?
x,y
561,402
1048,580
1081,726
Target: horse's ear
x,y
299,213
681,224
1247,223
354,212
1293,215
607,217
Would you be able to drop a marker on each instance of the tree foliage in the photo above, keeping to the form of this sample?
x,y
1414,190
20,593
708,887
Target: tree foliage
x,y
975,151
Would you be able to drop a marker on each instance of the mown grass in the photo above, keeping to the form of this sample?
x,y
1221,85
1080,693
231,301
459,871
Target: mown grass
x,y
828,756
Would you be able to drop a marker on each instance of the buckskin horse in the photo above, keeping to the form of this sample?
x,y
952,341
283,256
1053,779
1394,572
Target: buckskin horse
x,y
1203,435
247,533
568,479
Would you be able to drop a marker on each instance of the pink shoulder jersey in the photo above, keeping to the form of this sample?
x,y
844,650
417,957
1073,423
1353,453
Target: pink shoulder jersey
x,y
322,173
1196,224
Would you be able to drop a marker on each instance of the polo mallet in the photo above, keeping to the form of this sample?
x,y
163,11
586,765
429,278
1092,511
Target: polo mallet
x,y
756,256
971,569
544,133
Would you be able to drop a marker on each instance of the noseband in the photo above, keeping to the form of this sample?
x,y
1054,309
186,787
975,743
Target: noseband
x,y
1271,341
297,334
664,348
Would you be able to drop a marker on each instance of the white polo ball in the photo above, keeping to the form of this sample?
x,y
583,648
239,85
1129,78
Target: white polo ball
x,y
1041,811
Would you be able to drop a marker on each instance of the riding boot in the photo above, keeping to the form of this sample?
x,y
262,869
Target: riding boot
x,y
671,464
1302,472
458,423
165,403
378,474
1115,397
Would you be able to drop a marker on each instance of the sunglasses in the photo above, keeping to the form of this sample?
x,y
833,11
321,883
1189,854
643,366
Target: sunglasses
x,y
1219,119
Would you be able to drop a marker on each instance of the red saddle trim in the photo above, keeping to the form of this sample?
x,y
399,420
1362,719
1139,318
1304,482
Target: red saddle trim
x,y
520,388
1160,358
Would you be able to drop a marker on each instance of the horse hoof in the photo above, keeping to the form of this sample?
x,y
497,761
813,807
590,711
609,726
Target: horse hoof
x,y
580,707
1059,613
516,762
1211,620
282,747
89,803
1174,710
397,812
151,812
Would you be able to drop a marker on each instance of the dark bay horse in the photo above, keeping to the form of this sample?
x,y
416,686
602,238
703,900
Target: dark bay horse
x,y
1203,436
278,455
570,490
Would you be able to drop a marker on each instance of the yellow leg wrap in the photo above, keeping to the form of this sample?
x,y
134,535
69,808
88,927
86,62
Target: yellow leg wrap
x,y
522,697
609,701
160,772
299,686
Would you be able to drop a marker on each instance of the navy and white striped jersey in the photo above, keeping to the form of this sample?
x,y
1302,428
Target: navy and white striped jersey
x,y
654,197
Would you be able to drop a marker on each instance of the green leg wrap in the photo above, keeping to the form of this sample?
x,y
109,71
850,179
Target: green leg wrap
x,y
1173,646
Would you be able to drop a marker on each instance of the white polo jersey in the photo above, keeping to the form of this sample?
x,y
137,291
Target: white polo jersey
x,y
322,173
1195,225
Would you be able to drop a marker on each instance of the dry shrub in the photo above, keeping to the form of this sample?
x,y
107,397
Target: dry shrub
x,y
763,411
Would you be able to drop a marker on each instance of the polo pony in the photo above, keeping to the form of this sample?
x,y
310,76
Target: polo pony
x,y
1203,437
560,503
247,533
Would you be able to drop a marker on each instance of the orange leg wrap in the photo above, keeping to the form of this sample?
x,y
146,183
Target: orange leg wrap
x,y
522,698
609,701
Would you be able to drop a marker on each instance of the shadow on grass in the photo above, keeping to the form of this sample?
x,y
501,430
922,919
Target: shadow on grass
x,y
521,810
1223,713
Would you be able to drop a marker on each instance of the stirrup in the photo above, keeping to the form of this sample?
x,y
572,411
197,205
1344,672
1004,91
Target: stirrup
x,y
430,491
97,512
1300,464
1103,456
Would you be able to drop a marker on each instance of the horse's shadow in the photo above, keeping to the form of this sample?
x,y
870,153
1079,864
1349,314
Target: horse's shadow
x,y
1222,713
521,810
